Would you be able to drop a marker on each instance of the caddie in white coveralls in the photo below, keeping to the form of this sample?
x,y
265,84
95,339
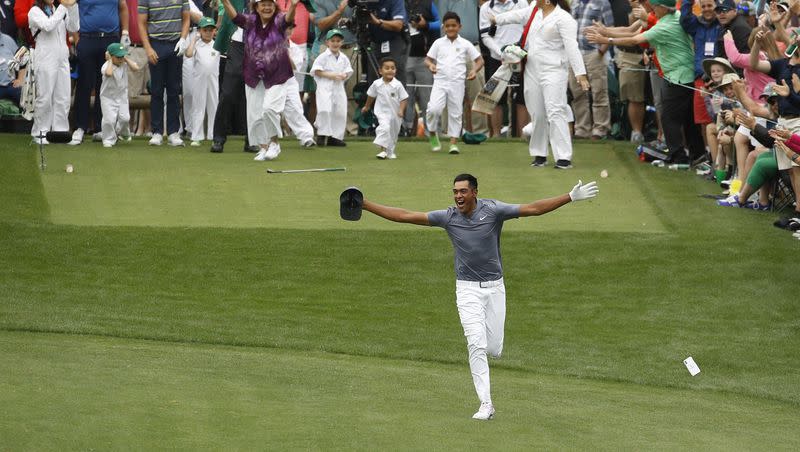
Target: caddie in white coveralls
x,y
389,96
331,96
114,97
474,227
551,45
205,64
51,65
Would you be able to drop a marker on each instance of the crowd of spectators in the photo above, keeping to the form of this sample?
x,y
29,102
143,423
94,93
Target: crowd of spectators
x,y
722,76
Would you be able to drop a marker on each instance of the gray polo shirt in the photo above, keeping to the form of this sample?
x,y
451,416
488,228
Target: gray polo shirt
x,y
164,18
476,239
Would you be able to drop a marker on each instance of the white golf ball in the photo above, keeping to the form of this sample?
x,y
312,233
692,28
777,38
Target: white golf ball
x,y
604,174
69,168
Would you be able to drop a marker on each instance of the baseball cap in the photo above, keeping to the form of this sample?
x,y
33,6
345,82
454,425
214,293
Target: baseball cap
x,y
206,22
667,3
725,5
351,202
784,5
116,49
334,32
473,138
768,91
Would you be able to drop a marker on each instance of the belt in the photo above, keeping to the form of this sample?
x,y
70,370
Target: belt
x,y
482,284
113,34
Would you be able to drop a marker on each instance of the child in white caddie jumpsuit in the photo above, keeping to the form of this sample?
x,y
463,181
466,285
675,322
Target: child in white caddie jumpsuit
x,y
389,97
187,74
552,46
447,59
330,70
205,61
114,95
50,63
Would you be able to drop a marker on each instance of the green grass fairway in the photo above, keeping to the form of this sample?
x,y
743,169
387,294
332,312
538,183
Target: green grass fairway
x,y
137,185
176,299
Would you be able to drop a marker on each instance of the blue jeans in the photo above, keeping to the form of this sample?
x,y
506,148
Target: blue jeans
x,y
9,92
166,74
91,53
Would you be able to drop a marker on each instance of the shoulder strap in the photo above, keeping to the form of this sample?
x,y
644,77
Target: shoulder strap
x,y
527,27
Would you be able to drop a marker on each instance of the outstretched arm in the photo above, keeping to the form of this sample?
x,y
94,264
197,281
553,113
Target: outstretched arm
x,y
397,214
578,193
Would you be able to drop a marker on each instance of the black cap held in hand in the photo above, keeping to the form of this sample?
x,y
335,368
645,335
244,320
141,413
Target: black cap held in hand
x,y
350,203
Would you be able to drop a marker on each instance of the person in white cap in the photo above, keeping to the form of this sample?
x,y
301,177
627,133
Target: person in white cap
x,y
49,25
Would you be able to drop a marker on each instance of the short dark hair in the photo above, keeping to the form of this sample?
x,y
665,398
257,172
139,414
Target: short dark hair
x,y
387,59
451,15
473,182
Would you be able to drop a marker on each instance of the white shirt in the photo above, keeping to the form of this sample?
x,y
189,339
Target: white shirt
x,y
206,59
451,58
506,34
51,42
329,62
114,88
387,96
552,41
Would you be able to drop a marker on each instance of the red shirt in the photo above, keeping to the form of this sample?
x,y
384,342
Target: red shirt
x,y
133,21
300,31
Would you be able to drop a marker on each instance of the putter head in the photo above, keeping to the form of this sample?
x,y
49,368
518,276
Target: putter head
x,y
350,203
58,137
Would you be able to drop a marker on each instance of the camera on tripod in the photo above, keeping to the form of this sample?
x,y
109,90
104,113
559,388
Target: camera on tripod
x,y
361,10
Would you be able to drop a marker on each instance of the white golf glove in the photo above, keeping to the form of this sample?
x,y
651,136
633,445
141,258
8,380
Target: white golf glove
x,y
580,192
125,40
180,47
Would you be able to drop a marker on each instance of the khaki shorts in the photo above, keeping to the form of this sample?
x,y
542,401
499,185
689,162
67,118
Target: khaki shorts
x,y
137,80
631,81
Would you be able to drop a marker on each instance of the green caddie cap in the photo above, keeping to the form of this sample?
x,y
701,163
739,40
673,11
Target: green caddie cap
x,y
116,49
206,22
334,32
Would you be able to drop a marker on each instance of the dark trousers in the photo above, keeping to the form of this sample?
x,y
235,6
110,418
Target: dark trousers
x,y
232,105
398,50
677,120
91,53
165,75
9,92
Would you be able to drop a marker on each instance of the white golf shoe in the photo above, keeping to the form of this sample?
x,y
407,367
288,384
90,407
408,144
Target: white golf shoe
x,y
382,155
485,412
156,140
261,156
174,139
77,137
391,156
273,150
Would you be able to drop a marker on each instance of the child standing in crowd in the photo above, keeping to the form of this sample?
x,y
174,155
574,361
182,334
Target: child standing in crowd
x,y
446,59
114,95
389,97
330,70
206,80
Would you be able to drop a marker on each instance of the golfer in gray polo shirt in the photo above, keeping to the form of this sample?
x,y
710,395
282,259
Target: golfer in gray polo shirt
x,y
474,226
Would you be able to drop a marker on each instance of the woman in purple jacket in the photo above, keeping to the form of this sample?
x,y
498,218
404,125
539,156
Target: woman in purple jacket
x,y
266,69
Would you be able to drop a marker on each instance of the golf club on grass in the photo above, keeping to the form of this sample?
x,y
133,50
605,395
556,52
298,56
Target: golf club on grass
x,y
310,170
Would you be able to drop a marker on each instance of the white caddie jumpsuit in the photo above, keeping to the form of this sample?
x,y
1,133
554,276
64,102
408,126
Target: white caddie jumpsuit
x,y
114,103
205,99
388,97
552,48
187,80
331,96
51,66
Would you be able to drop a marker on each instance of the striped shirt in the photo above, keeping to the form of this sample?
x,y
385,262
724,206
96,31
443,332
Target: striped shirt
x,y
585,13
164,18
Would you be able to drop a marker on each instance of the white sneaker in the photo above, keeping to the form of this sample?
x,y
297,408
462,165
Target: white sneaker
x,y
174,139
527,130
195,143
261,156
392,156
156,140
42,140
273,150
485,412
77,137
108,144
309,143
97,136
382,155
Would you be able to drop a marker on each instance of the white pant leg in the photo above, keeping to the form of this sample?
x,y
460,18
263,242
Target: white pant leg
x,y
124,118
455,109
272,107
297,53
51,108
198,112
61,99
293,113
256,127
339,114
188,92
482,314
387,131
212,101
394,131
324,110
435,107
534,101
108,126
554,90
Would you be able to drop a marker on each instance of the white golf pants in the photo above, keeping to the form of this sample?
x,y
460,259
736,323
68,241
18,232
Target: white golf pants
x,y
387,131
450,95
546,98
264,108
293,113
482,309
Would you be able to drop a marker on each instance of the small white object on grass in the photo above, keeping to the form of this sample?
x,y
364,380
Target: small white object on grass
x,y
69,168
691,366
604,174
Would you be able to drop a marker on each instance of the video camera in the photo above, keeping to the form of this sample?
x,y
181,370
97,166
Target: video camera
x,y
358,24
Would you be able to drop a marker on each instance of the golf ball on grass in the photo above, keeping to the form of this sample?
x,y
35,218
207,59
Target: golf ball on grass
x,y
604,174
69,168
